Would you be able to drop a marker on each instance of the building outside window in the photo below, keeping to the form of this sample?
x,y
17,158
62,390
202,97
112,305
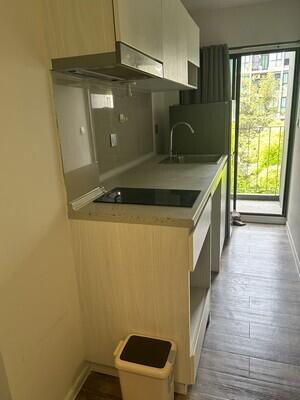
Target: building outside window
x,y
256,62
283,105
264,61
258,65
275,60
277,75
285,78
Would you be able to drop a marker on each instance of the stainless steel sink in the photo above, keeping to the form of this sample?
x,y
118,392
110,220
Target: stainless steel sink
x,y
193,159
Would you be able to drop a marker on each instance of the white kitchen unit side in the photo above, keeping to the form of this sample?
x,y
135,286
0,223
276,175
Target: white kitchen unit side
x,y
218,222
136,278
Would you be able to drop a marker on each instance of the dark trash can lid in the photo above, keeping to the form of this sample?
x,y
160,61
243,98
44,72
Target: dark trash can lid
x,y
146,351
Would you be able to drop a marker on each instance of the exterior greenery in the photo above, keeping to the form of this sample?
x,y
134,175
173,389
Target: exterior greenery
x,y
261,135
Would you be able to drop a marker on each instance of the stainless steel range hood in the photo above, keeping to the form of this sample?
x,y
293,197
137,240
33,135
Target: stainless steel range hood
x,y
125,64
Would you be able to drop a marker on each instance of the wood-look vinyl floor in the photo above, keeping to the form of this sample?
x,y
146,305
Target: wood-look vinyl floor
x,y
252,345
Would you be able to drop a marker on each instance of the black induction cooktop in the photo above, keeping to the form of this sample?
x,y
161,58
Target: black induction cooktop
x,y
151,197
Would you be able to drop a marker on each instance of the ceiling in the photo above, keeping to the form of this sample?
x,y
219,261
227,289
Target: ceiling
x,y
198,4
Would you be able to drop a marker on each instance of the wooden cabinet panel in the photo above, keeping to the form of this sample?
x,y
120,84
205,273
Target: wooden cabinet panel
x,y
193,42
79,27
139,24
219,207
182,43
223,208
198,236
161,29
170,11
133,278
216,228
197,346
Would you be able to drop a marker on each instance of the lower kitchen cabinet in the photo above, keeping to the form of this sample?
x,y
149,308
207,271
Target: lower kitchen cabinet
x,y
200,280
136,278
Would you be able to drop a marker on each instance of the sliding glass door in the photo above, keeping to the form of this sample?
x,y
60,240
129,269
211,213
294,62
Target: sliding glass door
x,y
263,97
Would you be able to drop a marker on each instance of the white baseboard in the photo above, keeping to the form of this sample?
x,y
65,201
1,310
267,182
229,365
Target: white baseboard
x,y
79,381
263,219
292,243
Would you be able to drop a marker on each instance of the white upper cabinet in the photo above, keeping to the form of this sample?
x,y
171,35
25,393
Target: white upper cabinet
x,y
139,25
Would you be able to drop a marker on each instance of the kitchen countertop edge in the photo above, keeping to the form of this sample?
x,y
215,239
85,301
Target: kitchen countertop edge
x,y
136,214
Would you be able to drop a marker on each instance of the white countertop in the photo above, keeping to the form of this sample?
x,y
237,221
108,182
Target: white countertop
x,y
151,174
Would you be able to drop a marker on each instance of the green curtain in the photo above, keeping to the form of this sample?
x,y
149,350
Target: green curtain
x,y
213,77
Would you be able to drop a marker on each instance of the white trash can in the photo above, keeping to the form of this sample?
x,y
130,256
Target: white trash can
x,y
146,367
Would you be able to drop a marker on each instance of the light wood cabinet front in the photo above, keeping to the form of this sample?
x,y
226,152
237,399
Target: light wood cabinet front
x,y
139,25
160,29
198,236
223,208
135,278
218,225
175,41
193,42
170,53
79,27
182,44
180,41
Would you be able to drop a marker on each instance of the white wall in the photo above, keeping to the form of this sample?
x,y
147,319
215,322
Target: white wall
x,y
41,343
275,21
72,115
294,200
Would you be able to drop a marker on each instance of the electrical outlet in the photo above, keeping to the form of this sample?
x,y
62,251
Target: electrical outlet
x,y
113,140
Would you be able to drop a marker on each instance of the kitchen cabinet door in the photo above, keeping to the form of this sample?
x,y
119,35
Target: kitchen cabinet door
x,y
218,224
139,25
223,208
175,41
182,43
170,12
193,42
79,27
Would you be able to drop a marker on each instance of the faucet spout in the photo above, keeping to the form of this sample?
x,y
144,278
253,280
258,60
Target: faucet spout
x,y
172,131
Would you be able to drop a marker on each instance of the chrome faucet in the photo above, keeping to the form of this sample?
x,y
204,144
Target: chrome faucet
x,y
171,134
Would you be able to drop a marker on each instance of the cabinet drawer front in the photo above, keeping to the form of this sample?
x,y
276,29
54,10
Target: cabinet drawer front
x,y
196,351
198,235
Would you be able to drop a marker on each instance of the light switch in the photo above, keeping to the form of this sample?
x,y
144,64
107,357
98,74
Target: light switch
x,y
113,139
123,118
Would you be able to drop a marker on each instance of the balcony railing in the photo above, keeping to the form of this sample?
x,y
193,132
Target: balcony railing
x,y
260,158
